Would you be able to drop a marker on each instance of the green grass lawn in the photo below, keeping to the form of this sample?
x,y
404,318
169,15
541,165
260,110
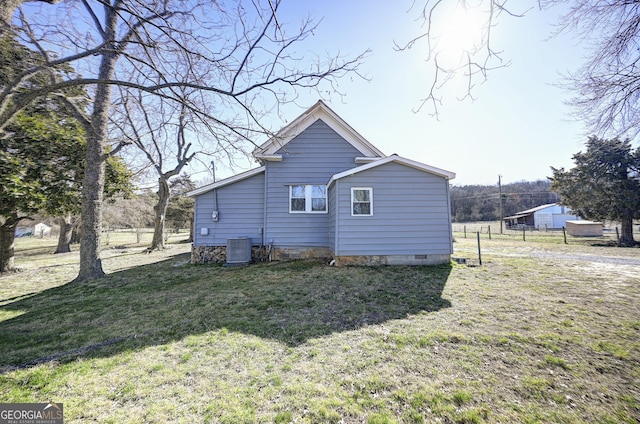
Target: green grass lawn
x,y
518,339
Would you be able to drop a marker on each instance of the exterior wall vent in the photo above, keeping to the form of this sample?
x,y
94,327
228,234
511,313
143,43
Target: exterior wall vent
x,y
238,251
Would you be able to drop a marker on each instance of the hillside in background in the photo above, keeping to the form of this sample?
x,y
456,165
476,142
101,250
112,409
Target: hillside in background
x,y
482,203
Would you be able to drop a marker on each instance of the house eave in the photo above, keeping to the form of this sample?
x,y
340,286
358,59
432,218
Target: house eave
x,y
366,159
268,158
225,182
447,175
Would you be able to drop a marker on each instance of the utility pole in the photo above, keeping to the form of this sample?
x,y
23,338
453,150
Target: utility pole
x,y
500,189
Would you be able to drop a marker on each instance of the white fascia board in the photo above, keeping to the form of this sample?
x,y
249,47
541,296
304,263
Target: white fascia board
x,y
225,182
305,120
268,158
397,159
426,168
366,159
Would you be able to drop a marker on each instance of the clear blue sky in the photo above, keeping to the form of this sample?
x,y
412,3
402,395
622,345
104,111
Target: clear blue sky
x,y
518,125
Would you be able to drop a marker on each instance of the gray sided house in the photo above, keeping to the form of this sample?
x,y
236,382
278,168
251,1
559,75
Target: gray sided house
x,y
323,191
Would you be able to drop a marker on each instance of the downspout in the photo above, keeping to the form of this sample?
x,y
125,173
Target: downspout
x,y
264,205
450,218
215,192
336,191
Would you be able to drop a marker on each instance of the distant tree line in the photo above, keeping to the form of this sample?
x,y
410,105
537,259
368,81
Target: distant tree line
x,y
482,202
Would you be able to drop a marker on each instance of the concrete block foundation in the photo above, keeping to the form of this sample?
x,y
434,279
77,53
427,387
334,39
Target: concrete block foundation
x,y
289,253
376,260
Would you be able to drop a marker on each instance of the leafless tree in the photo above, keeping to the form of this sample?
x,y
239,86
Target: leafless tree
x,y
605,89
158,130
240,59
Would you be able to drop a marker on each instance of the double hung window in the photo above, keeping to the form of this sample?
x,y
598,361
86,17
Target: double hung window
x,y
307,198
361,201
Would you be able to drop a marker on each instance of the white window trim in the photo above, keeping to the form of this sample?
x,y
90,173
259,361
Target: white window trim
x,y
370,189
308,191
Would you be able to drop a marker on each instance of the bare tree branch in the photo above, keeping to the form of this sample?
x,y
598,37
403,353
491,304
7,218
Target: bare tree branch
x,y
606,89
471,61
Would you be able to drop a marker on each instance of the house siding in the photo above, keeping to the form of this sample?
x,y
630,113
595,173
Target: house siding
x,y
411,214
241,213
310,158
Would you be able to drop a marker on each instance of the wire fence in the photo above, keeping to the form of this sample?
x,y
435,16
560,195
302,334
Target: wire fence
x,y
610,233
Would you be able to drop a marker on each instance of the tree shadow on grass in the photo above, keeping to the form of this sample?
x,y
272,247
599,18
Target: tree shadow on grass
x,y
166,301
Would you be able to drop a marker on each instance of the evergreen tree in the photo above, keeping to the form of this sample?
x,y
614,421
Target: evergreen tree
x,y
604,184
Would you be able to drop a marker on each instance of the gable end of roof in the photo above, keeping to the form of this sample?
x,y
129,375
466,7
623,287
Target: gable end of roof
x,y
318,111
447,175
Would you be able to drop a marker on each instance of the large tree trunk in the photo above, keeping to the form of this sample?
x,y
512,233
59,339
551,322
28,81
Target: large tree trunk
x,y
164,194
66,230
93,185
626,236
7,245
91,228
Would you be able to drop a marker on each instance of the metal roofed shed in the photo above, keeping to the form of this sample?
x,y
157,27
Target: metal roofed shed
x,y
544,217
584,228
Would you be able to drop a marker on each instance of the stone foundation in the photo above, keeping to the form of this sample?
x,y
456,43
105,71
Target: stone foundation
x,y
208,254
218,254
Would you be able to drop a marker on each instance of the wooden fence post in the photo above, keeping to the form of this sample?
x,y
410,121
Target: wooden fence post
x,y
489,232
524,230
479,252
564,234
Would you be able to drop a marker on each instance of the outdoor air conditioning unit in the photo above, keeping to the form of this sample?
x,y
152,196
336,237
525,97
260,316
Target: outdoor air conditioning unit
x,y
238,251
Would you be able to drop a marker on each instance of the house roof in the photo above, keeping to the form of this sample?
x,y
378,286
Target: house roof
x,y
269,149
396,159
226,181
